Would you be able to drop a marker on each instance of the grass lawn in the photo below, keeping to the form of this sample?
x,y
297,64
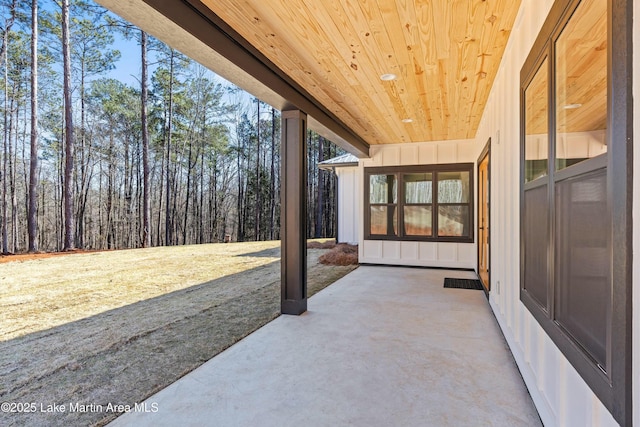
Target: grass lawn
x,y
115,327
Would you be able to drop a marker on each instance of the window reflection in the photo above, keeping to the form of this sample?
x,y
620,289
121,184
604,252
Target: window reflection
x,y
453,187
453,220
383,189
417,220
380,220
418,188
536,142
581,85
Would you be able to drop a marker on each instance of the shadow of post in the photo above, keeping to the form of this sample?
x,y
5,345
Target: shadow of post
x,y
125,355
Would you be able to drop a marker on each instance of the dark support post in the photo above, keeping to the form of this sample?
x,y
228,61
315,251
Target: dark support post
x,y
293,216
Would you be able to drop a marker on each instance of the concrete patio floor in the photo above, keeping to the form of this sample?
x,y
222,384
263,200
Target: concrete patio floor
x,y
383,346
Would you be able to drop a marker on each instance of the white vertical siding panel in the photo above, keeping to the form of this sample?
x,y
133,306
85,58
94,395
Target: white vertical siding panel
x,y
497,188
576,400
512,200
347,205
391,155
466,253
390,250
409,251
636,219
345,217
372,250
354,203
409,154
427,251
427,154
447,252
548,380
467,151
447,152
562,404
348,195
529,335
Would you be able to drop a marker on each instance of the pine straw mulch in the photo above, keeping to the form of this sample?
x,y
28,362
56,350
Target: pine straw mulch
x,y
341,254
117,327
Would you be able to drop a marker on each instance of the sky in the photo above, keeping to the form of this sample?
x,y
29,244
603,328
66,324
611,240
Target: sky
x,y
127,69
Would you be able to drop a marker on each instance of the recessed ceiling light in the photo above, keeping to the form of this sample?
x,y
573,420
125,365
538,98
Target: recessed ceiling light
x,y
407,120
387,77
572,106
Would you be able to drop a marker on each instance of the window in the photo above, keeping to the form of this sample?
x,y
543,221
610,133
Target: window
x,y
574,170
384,201
430,203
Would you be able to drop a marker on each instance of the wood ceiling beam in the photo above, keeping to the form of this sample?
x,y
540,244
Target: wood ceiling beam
x,y
191,27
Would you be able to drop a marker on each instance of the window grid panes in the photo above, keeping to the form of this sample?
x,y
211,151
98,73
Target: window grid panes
x,y
418,209
383,198
415,203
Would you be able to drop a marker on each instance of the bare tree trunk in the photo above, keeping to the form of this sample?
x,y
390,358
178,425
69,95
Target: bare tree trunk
x,y
146,206
159,234
81,165
201,207
258,207
168,225
5,154
272,186
320,189
239,209
128,196
110,179
69,242
32,219
13,130
188,195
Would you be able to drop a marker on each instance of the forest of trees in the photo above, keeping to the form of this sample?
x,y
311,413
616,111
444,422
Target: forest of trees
x,y
91,162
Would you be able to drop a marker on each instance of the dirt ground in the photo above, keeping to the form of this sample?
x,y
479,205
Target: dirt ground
x,y
115,327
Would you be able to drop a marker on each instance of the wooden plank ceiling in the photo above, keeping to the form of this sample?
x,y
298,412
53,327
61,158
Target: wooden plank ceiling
x,y
445,54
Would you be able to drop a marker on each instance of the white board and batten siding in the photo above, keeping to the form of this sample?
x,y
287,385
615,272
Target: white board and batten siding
x,y
427,254
636,217
560,394
349,194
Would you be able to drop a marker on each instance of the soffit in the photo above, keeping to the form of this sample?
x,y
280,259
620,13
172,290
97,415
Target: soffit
x,y
446,54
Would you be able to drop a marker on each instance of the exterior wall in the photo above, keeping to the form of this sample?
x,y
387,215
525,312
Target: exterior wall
x,y
560,394
429,254
636,217
349,189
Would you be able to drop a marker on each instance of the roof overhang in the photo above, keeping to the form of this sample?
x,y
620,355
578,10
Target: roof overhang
x,y
344,161
198,33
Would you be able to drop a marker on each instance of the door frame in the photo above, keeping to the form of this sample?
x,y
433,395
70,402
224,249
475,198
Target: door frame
x,y
484,154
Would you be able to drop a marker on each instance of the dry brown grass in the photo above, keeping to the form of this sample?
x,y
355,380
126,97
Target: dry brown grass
x,y
118,326
341,255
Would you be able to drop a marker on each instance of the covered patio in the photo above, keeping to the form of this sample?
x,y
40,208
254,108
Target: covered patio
x,y
423,93
382,346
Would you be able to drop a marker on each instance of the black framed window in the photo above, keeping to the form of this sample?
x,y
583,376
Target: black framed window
x,y
574,194
426,202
